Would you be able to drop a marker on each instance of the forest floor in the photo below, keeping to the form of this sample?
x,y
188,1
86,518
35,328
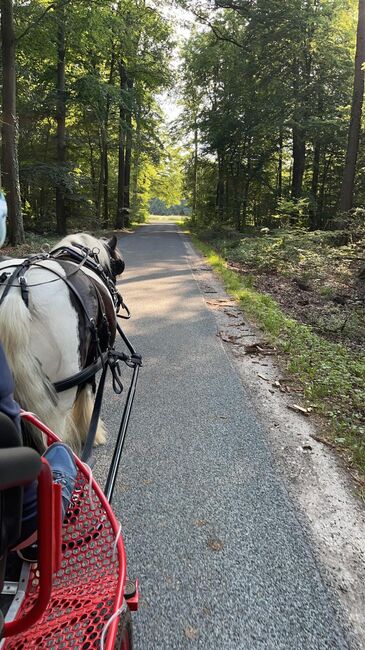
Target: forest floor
x,y
306,291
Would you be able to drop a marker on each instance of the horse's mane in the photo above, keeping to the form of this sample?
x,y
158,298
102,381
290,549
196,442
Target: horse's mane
x,y
84,239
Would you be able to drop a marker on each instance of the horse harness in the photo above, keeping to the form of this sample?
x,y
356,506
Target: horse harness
x,y
101,351
102,354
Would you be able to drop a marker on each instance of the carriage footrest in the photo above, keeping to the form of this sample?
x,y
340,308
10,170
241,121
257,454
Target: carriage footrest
x,y
131,594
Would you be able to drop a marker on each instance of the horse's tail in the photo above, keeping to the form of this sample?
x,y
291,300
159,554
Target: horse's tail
x,y
33,389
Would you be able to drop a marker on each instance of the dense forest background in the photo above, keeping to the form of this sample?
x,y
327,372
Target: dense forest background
x,y
269,134
269,96
84,143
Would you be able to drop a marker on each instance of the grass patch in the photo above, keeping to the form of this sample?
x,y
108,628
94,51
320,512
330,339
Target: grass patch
x,y
332,377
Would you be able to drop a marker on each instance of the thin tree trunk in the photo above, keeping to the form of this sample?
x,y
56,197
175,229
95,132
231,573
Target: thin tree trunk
x,y
195,169
313,209
105,175
93,175
279,192
136,158
128,156
106,146
348,180
101,174
119,221
245,203
322,193
220,187
298,131
61,121
298,161
10,167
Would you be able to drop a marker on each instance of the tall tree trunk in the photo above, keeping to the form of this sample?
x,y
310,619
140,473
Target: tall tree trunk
x,y
119,221
313,208
136,159
61,122
220,187
10,167
279,191
105,146
101,174
322,192
299,152
348,180
195,168
105,174
245,202
128,156
93,175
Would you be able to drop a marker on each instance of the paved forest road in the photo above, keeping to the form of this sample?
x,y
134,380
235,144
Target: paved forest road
x,y
221,553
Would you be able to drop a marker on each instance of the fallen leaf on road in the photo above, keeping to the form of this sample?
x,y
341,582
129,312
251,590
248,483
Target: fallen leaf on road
x,y
201,522
215,544
262,377
220,302
230,338
191,633
231,314
259,348
299,409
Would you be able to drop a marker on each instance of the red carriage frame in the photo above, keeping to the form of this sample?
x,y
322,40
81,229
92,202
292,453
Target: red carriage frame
x,y
74,598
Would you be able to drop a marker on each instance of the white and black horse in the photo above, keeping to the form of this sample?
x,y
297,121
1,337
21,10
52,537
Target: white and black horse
x,y
57,315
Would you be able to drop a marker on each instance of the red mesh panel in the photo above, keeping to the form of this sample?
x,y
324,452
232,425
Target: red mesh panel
x,y
84,591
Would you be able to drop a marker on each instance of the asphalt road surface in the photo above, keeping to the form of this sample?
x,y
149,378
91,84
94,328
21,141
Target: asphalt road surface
x,y
222,554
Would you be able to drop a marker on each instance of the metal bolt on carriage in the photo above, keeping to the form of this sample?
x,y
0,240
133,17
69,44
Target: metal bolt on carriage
x,y
78,594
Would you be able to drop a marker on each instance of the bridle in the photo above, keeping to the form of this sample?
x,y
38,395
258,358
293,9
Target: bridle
x,y
77,253
89,259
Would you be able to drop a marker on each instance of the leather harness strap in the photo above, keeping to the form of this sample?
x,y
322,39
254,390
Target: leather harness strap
x,y
109,358
87,259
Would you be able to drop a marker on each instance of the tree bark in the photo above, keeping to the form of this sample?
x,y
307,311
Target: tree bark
x,y
322,193
128,156
119,221
313,209
93,174
243,219
61,122
10,166
105,174
348,180
105,146
220,187
136,158
195,168
279,191
299,153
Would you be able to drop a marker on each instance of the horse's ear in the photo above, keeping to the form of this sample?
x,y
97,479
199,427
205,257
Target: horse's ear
x,y
112,243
